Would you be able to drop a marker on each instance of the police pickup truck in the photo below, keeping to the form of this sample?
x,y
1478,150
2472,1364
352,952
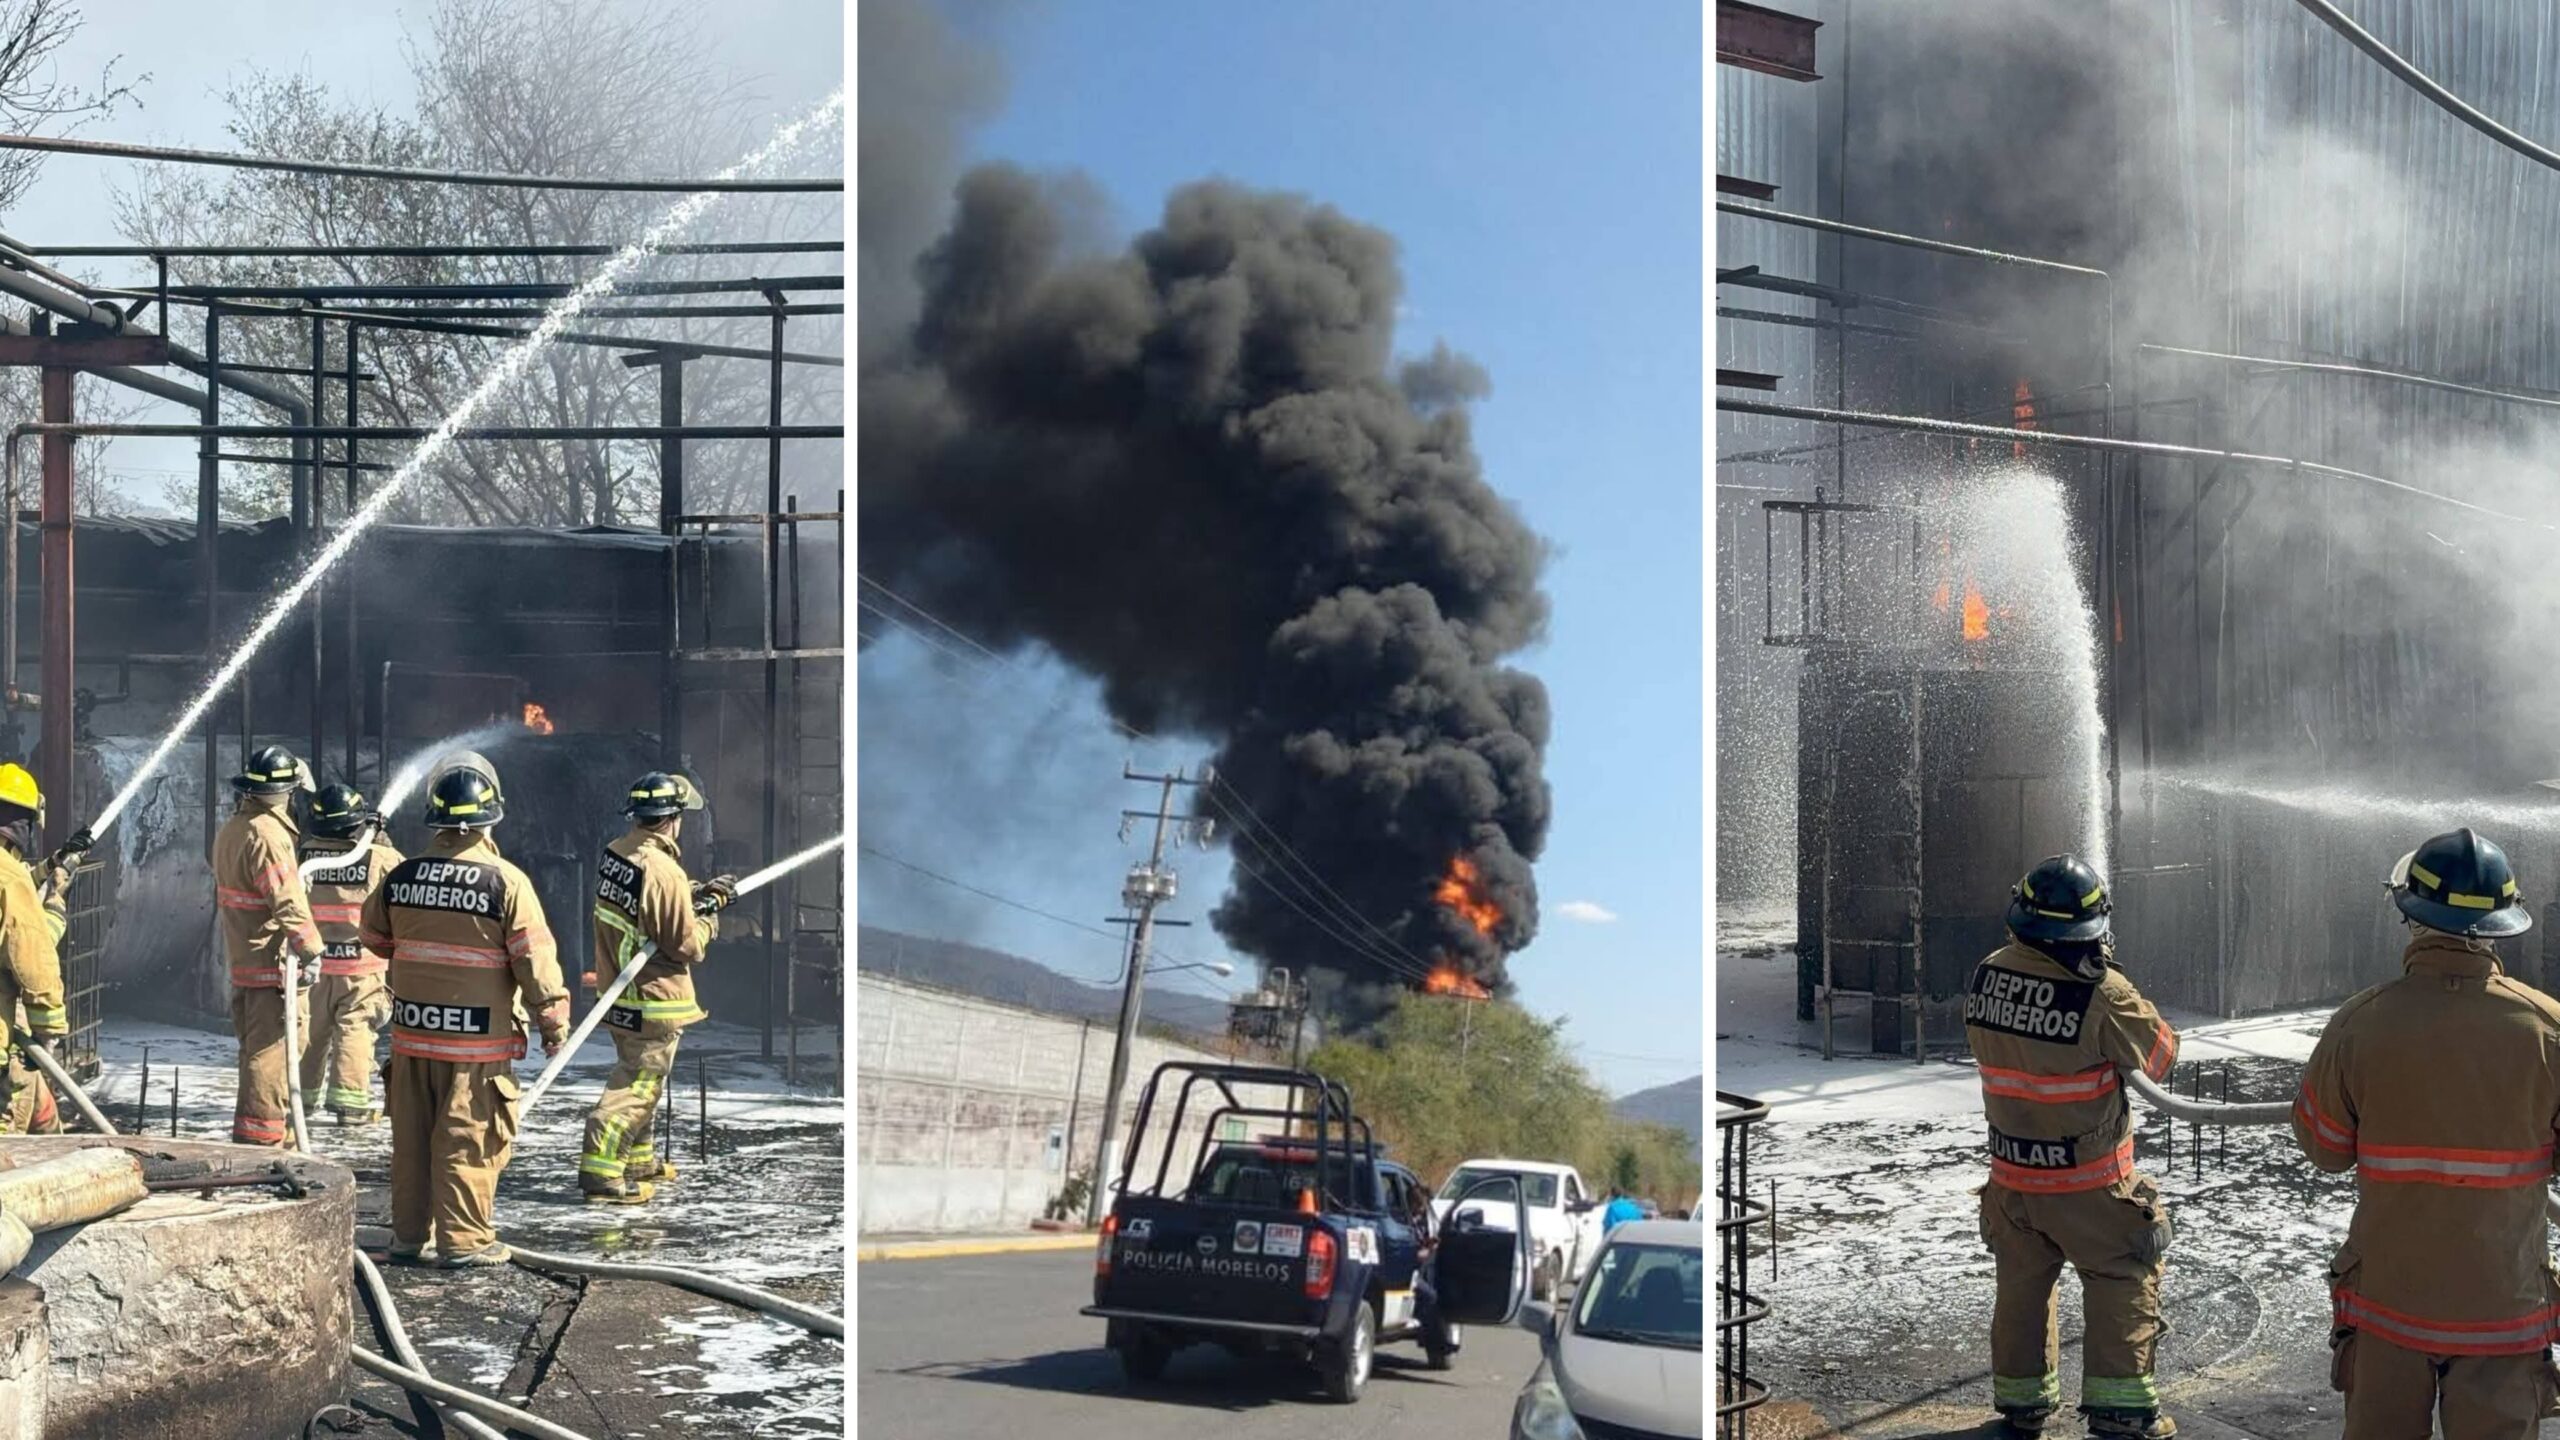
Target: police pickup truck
x,y
1302,1240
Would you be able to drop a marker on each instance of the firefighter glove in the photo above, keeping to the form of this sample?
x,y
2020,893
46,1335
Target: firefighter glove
x,y
36,1042
714,895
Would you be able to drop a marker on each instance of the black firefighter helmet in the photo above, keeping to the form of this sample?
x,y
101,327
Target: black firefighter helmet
x,y
659,794
2062,899
272,770
2460,883
464,800
336,811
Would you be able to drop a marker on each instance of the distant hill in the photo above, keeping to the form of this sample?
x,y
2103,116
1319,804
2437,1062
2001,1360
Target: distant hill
x,y
1012,980
1679,1105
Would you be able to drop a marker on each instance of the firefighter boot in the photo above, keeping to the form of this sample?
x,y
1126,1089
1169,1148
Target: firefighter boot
x,y
2023,1420
601,1190
487,1255
2129,1424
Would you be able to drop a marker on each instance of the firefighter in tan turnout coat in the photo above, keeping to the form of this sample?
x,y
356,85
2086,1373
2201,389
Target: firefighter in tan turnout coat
x,y
2441,1090
31,931
265,916
468,943
643,898
352,998
2053,1025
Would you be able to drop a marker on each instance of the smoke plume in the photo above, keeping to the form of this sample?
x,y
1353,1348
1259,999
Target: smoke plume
x,y
1195,471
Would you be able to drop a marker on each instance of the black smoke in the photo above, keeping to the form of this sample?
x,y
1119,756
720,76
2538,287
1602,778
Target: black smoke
x,y
1195,470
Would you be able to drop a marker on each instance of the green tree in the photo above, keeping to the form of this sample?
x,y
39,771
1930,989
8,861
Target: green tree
x,y
1444,1079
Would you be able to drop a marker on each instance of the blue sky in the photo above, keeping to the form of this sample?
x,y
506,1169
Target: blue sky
x,y
1540,167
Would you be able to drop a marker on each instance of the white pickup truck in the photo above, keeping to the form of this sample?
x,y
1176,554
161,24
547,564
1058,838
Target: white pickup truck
x,y
1564,1216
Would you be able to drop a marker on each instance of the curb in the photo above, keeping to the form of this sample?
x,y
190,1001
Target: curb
x,y
992,1245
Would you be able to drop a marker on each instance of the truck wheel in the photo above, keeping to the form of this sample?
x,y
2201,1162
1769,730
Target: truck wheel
x,y
1345,1366
1142,1356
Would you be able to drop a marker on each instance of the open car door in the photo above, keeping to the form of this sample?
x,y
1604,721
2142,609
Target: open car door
x,y
1481,1274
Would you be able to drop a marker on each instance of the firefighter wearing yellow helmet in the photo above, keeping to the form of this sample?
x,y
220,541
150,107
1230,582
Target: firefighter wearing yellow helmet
x,y
642,898
31,929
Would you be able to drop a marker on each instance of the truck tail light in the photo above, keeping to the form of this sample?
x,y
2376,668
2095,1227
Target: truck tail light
x,y
1319,1264
1102,1249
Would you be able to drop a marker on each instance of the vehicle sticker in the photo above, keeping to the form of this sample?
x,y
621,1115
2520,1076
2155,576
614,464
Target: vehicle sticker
x,y
1207,1244
1364,1244
1283,1240
1140,1229
1248,1237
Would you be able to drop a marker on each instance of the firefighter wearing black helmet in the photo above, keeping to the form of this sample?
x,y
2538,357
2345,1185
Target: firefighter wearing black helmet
x,y
266,917
352,999
643,898
469,947
2441,1090
2054,1025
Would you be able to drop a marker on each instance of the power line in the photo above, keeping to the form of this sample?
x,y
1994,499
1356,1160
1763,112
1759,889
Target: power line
x,y
1346,907
909,865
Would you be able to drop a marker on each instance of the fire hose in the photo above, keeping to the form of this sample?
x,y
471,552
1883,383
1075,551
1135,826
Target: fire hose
x,y
2215,1112
807,1317
396,1337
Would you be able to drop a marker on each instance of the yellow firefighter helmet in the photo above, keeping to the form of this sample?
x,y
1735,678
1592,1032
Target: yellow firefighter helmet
x,y
18,792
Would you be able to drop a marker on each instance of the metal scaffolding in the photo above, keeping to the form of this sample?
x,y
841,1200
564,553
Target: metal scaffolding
x,y
74,326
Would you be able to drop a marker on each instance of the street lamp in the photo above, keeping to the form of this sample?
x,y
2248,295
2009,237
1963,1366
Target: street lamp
x,y
1219,968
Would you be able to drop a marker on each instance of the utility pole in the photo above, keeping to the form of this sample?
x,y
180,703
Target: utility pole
x,y
1147,886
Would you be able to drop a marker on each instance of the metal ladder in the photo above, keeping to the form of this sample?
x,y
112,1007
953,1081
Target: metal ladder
x,y
1909,888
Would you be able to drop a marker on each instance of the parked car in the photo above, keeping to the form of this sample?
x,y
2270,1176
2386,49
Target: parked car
x,y
1564,1217
1307,1242
1651,1210
1628,1356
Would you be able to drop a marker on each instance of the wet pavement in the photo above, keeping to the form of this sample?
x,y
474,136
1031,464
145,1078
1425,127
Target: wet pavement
x,y
759,1199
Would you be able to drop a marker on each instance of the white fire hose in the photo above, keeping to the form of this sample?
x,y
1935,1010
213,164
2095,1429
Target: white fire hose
x,y
2264,1112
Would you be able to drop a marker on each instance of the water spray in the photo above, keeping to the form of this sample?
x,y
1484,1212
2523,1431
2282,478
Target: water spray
x,y
640,959
511,365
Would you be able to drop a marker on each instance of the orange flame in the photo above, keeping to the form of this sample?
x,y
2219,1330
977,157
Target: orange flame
x,y
1445,980
1459,891
1977,614
537,719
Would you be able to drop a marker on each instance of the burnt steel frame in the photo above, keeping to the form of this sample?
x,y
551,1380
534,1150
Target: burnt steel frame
x,y
79,326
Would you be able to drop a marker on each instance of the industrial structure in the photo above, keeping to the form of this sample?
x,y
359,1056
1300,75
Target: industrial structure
x,y
712,640
2276,328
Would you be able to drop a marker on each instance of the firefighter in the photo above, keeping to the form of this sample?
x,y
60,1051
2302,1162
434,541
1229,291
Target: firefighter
x,y
2441,1089
351,1000
266,916
31,932
2053,1023
642,896
468,944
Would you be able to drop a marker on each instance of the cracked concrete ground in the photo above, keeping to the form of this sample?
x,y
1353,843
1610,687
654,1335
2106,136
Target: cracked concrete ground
x,y
760,1199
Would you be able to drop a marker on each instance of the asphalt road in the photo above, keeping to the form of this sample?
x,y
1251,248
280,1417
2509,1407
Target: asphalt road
x,y
990,1347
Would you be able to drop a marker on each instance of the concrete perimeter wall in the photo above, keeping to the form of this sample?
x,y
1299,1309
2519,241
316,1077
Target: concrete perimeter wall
x,y
970,1115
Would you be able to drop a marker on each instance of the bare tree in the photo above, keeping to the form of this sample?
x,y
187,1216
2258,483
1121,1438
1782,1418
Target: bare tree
x,y
577,87
33,97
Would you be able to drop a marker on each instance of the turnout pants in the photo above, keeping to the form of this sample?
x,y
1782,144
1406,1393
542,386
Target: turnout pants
x,y
259,1113
2396,1394
2114,1238
31,1109
347,1012
452,1127
622,1129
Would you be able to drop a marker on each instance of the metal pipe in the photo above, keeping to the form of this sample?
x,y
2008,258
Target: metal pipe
x,y
776,955
670,507
2324,367
418,252
807,1317
307,490
2094,442
529,311
79,1098
504,289
64,145
354,682
71,306
55,600
1915,242
470,432
399,320
208,529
